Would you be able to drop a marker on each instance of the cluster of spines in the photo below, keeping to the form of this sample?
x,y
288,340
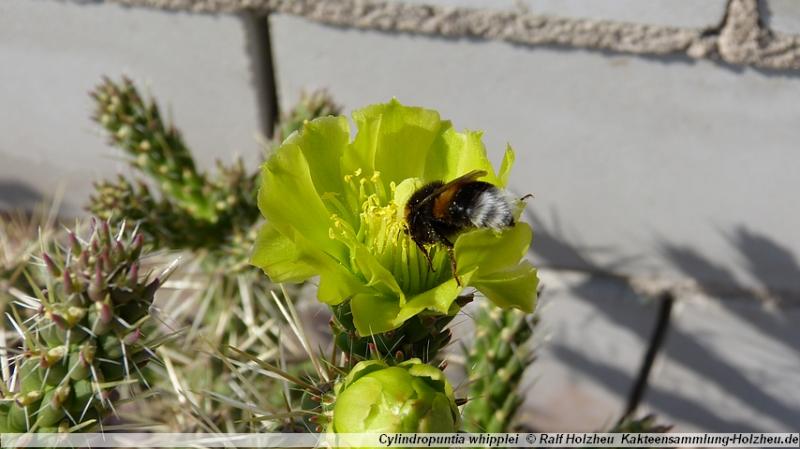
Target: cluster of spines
x,y
85,335
495,364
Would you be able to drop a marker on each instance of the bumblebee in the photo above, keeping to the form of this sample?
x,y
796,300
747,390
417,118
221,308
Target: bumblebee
x,y
437,212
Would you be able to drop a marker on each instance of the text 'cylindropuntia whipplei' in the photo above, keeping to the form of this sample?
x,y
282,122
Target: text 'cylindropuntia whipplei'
x,y
83,337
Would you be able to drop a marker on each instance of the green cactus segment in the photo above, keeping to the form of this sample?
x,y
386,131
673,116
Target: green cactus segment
x,y
499,356
157,148
190,209
87,337
408,397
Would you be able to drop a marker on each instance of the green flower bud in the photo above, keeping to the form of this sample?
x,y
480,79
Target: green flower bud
x,y
409,397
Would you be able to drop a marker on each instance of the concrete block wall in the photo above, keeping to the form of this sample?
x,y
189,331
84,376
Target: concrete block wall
x,y
658,137
53,53
675,13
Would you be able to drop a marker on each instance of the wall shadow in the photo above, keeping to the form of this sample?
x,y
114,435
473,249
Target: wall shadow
x,y
727,289
554,249
18,195
676,405
609,295
682,347
774,265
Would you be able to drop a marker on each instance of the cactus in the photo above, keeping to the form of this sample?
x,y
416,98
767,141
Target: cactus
x,y
190,209
179,207
88,336
155,148
495,363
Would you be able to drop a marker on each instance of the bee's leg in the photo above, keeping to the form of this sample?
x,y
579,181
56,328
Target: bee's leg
x,y
451,252
530,195
453,266
427,256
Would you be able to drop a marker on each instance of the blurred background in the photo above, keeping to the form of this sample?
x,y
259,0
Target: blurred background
x,y
658,137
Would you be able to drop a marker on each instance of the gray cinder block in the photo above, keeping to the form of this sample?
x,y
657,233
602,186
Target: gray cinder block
x,y
52,53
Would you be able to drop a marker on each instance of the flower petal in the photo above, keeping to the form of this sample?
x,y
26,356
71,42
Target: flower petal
x,y
337,283
376,276
456,154
499,274
362,369
505,166
294,259
375,313
280,258
514,287
323,142
354,405
440,416
438,298
394,140
290,201
490,251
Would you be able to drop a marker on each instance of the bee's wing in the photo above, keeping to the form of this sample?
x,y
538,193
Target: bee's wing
x,y
463,179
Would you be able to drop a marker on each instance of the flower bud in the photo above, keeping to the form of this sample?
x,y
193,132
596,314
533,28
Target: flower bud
x,y
407,398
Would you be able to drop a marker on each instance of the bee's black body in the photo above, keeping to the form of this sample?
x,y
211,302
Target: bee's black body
x,y
438,212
